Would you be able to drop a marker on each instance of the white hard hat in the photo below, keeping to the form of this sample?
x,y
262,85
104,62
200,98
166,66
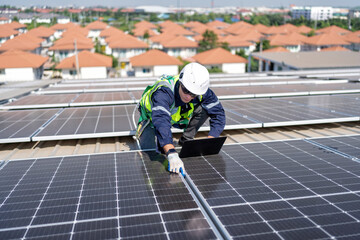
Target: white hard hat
x,y
195,78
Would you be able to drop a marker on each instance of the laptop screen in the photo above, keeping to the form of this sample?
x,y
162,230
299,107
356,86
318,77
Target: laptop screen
x,y
202,147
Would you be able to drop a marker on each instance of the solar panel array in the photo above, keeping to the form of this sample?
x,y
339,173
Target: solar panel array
x,y
280,190
19,126
111,196
269,190
109,121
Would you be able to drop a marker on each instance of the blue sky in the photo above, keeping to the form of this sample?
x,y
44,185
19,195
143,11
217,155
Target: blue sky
x,y
182,3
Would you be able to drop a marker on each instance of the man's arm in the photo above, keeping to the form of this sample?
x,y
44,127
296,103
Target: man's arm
x,y
216,112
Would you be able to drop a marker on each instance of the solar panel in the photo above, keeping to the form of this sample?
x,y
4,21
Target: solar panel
x,y
40,101
111,98
74,123
107,196
348,145
280,190
19,126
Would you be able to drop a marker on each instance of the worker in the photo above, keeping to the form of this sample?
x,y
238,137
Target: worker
x,y
183,101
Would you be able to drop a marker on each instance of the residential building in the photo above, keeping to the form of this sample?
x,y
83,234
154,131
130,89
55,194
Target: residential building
x,y
221,59
312,13
284,61
86,65
236,44
69,46
18,65
95,29
180,46
325,40
125,46
6,33
154,63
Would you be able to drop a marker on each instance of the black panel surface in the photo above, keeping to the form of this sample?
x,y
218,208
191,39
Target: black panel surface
x,y
280,190
107,196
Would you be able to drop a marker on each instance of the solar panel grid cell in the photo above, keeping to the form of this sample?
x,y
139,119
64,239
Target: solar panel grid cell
x,y
296,185
109,196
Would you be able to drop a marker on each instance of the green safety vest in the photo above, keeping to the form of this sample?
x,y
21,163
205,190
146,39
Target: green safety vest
x,y
176,116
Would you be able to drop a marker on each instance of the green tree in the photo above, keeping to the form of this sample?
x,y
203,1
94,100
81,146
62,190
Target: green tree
x,y
209,41
265,45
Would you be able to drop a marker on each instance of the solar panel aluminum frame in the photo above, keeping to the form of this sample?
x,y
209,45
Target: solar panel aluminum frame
x,y
285,94
83,136
15,140
37,106
308,122
333,92
101,103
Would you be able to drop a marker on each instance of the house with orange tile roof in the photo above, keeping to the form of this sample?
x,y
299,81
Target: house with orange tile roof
x,y
236,44
294,42
141,31
222,59
304,29
324,40
23,42
180,46
333,29
238,25
277,49
146,25
200,30
193,24
95,28
218,24
251,35
125,46
108,33
178,30
5,20
18,65
336,48
18,26
68,46
86,65
6,33
354,40
44,33
59,28
154,63
260,28
155,41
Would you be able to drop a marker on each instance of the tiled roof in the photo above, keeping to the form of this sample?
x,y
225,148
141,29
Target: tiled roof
x,y
76,31
304,29
201,30
19,43
287,39
193,24
168,24
16,25
218,24
333,29
145,24
111,31
86,59
126,41
277,49
251,35
7,31
352,37
153,58
68,43
179,42
41,32
20,59
335,48
218,56
97,25
162,37
260,27
177,31
63,26
326,39
235,26
235,41
139,32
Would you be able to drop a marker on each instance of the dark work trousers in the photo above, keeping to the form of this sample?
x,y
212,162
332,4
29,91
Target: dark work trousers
x,y
148,140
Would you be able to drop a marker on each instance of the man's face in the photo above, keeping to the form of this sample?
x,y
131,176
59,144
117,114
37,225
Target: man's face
x,y
185,95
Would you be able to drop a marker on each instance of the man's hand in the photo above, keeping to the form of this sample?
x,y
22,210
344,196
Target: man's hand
x,y
174,163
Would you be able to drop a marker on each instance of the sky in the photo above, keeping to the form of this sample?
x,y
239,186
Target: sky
x,y
181,3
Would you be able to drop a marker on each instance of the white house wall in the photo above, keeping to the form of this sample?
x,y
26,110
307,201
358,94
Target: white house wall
x,y
233,67
168,70
19,74
93,72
